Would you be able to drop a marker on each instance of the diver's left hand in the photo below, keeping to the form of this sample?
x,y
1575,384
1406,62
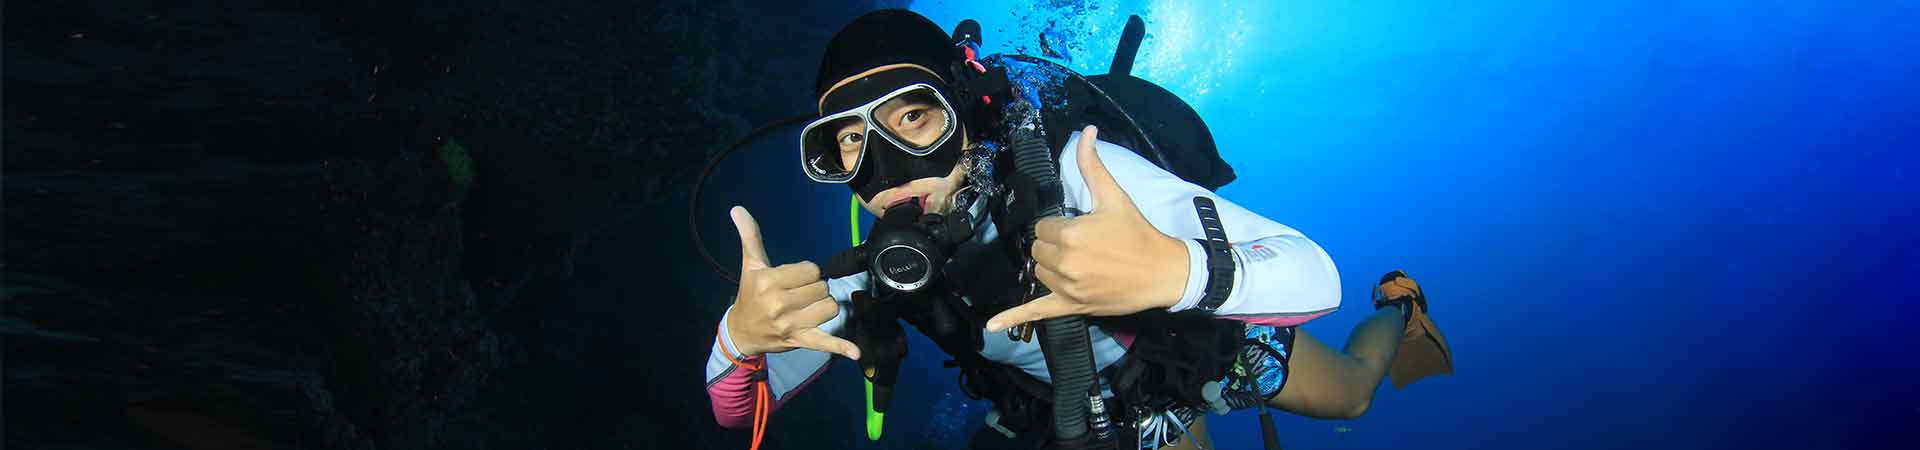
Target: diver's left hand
x,y
1109,262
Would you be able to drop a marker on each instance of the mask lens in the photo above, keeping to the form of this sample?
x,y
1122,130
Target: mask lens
x,y
831,149
916,119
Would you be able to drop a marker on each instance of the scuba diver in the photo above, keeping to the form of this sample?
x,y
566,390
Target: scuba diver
x,y
1058,236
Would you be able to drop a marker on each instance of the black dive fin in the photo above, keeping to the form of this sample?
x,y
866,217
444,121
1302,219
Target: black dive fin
x,y
1129,46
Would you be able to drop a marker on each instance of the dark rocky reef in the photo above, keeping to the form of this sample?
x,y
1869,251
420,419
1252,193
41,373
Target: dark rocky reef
x,y
366,224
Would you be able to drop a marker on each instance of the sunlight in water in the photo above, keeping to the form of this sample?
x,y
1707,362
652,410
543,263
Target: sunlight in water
x,y
1190,48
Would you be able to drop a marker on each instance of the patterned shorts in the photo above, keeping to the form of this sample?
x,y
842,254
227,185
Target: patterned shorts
x,y
1262,365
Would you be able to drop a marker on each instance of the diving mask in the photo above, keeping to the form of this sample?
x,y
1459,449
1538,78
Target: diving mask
x,y
901,134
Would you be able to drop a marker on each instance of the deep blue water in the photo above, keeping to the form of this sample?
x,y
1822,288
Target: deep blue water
x,y
1642,224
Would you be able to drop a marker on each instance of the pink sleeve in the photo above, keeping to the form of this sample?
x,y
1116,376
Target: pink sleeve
x,y
732,395
1278,321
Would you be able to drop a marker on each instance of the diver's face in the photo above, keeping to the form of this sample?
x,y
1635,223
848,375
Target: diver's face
x,y
919,120
935,194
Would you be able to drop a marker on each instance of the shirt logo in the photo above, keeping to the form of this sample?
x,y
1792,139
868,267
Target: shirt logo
x,y
1257,252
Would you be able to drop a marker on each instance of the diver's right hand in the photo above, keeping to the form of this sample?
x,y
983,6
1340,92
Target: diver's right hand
x,y
779,308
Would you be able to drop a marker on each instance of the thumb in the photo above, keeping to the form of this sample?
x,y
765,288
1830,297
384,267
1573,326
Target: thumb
x,y
1107,194
813,338
753,254
1048,307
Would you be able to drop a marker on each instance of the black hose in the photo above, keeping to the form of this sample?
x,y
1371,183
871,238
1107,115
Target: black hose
x,y
1063,340
1268,434
694,202
1069,355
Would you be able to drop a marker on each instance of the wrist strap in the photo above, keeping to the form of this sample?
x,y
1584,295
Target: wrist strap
x,y
1219,256
757,373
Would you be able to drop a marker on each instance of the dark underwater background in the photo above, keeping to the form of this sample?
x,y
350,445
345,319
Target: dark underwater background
x,y
464,225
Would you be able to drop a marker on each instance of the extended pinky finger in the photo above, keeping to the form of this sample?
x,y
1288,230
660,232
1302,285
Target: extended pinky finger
x,y
815,339
1046,307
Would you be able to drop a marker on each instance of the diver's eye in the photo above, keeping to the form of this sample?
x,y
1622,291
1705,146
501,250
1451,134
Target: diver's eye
x,y
912,117
851,139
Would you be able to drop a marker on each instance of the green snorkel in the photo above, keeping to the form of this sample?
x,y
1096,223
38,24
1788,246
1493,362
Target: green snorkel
x,y
853,217
875,418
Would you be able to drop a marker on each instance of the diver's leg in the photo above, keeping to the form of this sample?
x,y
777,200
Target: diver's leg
x,y
1327,384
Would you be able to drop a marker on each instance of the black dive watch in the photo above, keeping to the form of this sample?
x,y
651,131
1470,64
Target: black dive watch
x,y
1219,256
